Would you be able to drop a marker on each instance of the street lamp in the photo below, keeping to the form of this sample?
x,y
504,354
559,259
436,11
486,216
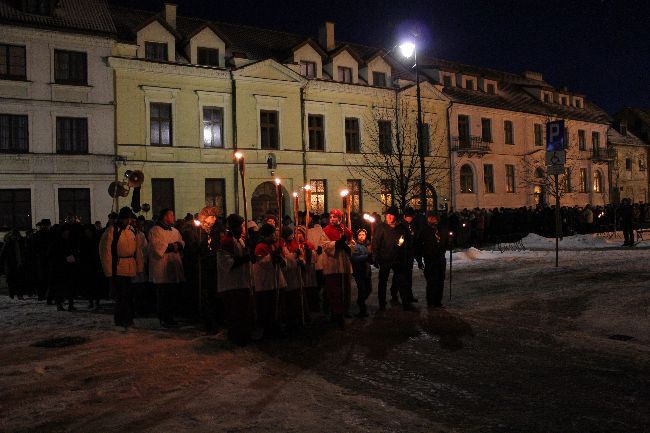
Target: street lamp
x,y
409,49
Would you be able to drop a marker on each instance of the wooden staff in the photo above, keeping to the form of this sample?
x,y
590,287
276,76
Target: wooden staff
x,y
295,209
242,170
278,197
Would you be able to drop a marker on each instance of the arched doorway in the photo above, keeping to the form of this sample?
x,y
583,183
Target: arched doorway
x,y
432,199
264,200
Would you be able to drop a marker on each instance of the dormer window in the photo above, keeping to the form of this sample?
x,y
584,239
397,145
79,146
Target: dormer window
x,y
469,84
308,69
379,79
345,74
39,7
564,100
547,97
206,56
446,80
577,102
156,51
491,89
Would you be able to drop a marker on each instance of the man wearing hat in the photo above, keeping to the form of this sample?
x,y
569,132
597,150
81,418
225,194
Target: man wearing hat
x,y
42,241
121,261
389,248
412,226
430,248
337,268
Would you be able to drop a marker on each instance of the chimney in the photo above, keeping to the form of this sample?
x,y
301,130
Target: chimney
x,y
170,14
531,75
621,126
326,36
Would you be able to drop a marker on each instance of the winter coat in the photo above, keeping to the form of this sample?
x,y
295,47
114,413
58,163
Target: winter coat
x,y
232,274
129,257
316,237
429,246
165,266
264,270
386,248
336,261
359,259
143,246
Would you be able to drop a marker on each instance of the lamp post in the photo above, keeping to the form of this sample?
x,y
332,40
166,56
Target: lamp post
x,y
409,49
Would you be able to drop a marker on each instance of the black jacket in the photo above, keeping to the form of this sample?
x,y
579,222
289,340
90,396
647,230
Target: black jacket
x,y
429,246
385,245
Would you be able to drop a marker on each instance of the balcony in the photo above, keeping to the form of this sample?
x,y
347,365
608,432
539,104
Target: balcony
x,y
602,155
470,146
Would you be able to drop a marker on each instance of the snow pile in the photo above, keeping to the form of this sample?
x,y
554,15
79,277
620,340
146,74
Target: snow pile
x,y
591,241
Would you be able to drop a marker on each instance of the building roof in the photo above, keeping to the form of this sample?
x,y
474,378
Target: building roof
x,y
616,138
514,90
84,16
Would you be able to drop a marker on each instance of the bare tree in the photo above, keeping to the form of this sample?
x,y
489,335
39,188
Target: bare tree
x,y
390,157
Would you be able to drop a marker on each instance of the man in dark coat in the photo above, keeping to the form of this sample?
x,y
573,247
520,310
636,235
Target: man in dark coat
x,y
12,263
389,247
412,226
627,222
430,247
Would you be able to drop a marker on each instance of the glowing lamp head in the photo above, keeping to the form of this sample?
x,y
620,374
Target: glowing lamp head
x,y
345,193
197,223
369,218
238,155
277,181
407,49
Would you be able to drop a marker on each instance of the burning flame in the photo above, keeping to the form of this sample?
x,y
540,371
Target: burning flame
x,y
369,218
238,155
197,223
277,181
295,195
345,193
400,242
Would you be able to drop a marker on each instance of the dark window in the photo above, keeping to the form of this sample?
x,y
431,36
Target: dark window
x,y
318,203
379,79
38,7
508,132
70,67
582,141
568,187
212,127
156,51
74,203
269,129
486,128
595,140
469,84
162,195
426,139
215,194
463,130
539,135
565,100
356,202
206,56
488,178
14,133
466,179
15,209
161,124
385,136
352,141
491,89
548,98
446,80
584,184
566,137
510,178
387,193
308,69
345,74
628,163
12,62
316,132
578,103
71,135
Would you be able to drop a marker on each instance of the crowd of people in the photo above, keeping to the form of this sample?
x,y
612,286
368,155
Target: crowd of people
x,y
270,276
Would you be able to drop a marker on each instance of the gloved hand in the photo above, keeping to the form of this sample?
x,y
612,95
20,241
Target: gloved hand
x,y
319,250
308,254
170,248
340,244
179,247
276,257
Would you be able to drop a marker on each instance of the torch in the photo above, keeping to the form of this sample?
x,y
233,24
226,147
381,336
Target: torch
x,y
371,220
197,224
307,189
451,260
242,170
345,195
278,197
295,208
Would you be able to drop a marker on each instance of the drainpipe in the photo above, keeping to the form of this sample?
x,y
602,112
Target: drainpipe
x,y
116,199
302,131
233,99
452,197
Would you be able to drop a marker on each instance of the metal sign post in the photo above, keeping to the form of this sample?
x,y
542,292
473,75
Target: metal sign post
x,y
555,160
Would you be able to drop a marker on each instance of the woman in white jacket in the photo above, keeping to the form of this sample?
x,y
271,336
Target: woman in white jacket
x,y
166,265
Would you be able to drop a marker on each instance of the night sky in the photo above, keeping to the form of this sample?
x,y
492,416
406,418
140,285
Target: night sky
x,y
599,47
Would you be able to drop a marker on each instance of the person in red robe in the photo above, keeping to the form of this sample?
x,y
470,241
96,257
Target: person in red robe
x,y
337,268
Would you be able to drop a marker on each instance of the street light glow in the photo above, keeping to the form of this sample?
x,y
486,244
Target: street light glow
x,y
407,49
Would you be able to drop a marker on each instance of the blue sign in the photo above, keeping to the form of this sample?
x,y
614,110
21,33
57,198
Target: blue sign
x,y
555,136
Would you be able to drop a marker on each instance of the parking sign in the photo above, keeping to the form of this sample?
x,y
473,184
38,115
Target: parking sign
x,y
555,136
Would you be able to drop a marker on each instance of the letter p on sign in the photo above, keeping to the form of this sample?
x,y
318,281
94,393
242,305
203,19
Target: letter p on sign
x,y
555,136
